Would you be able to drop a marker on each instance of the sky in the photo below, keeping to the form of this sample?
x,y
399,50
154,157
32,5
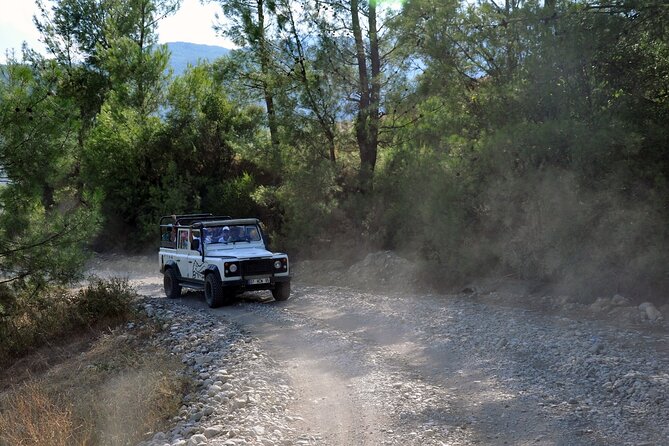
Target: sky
x,y
192,23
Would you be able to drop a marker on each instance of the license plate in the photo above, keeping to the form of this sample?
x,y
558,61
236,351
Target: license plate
x,y
258,281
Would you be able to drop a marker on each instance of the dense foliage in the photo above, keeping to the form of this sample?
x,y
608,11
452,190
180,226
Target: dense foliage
x,y
524,137
37,319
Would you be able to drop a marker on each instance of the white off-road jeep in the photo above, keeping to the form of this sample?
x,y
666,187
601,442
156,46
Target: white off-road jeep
x,y
220,255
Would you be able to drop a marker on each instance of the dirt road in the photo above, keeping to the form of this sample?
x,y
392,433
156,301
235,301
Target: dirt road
x,y
379,368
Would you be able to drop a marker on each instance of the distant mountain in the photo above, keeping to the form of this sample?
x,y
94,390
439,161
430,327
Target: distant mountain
x,y
184,53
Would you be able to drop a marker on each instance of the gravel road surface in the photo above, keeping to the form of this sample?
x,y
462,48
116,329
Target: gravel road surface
x,y
337,366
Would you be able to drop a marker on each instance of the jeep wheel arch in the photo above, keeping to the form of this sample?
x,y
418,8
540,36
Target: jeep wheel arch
x,y
213,269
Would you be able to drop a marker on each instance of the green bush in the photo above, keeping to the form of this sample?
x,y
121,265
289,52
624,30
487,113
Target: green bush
x,y
29,319
104,299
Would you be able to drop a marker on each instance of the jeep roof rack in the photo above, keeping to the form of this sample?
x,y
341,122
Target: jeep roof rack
x,y
228,221
189,219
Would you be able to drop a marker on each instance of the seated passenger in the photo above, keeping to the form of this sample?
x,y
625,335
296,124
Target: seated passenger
x,y
225,237
253,234
166,234
199,245
183,242
216,233
195,236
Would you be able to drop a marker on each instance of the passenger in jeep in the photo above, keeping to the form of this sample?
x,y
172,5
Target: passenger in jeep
x,y
239,233
217,233
167,233
225,237
184,242
254,235
195,237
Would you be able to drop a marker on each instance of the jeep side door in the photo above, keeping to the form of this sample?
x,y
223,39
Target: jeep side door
x,y
195,263
182,256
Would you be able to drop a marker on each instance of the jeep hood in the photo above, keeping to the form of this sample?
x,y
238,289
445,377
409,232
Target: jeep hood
x,y
239,252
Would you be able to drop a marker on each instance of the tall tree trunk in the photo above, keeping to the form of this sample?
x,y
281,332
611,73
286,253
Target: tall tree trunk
x,y
367,119
141,95
267,87
375,91
511,37
271,119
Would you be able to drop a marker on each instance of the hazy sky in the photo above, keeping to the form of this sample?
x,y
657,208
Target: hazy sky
x,y
192,23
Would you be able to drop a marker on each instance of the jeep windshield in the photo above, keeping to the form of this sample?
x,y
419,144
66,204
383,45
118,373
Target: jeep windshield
x,y
231,234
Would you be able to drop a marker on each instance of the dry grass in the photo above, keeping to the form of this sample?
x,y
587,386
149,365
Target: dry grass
x,y
31,417
115,391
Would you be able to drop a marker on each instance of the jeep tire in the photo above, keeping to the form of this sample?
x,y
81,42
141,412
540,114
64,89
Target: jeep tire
x,y
214,293
171,284
281,291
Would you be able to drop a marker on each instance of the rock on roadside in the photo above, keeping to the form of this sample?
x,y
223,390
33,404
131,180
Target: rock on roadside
x,y
650,312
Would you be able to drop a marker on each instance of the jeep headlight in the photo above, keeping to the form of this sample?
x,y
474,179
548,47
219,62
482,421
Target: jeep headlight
x,y
277,264
231,268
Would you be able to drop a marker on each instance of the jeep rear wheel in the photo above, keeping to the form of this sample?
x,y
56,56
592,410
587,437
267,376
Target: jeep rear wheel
x,y
281,291
214,293
171,284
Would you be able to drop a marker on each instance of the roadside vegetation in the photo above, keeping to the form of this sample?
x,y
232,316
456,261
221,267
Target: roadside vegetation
x,y
107,387
31,320
74,373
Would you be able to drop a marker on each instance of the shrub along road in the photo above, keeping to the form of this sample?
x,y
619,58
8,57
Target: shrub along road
x,y
388,368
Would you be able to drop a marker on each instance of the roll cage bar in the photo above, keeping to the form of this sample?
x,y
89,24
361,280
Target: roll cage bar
x,y
198,221
188,219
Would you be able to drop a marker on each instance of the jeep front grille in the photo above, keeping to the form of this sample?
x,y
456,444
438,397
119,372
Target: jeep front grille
x,y
254,267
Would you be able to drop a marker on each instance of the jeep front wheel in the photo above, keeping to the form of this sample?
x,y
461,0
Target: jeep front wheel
x,y
281,291
171,284
213,292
